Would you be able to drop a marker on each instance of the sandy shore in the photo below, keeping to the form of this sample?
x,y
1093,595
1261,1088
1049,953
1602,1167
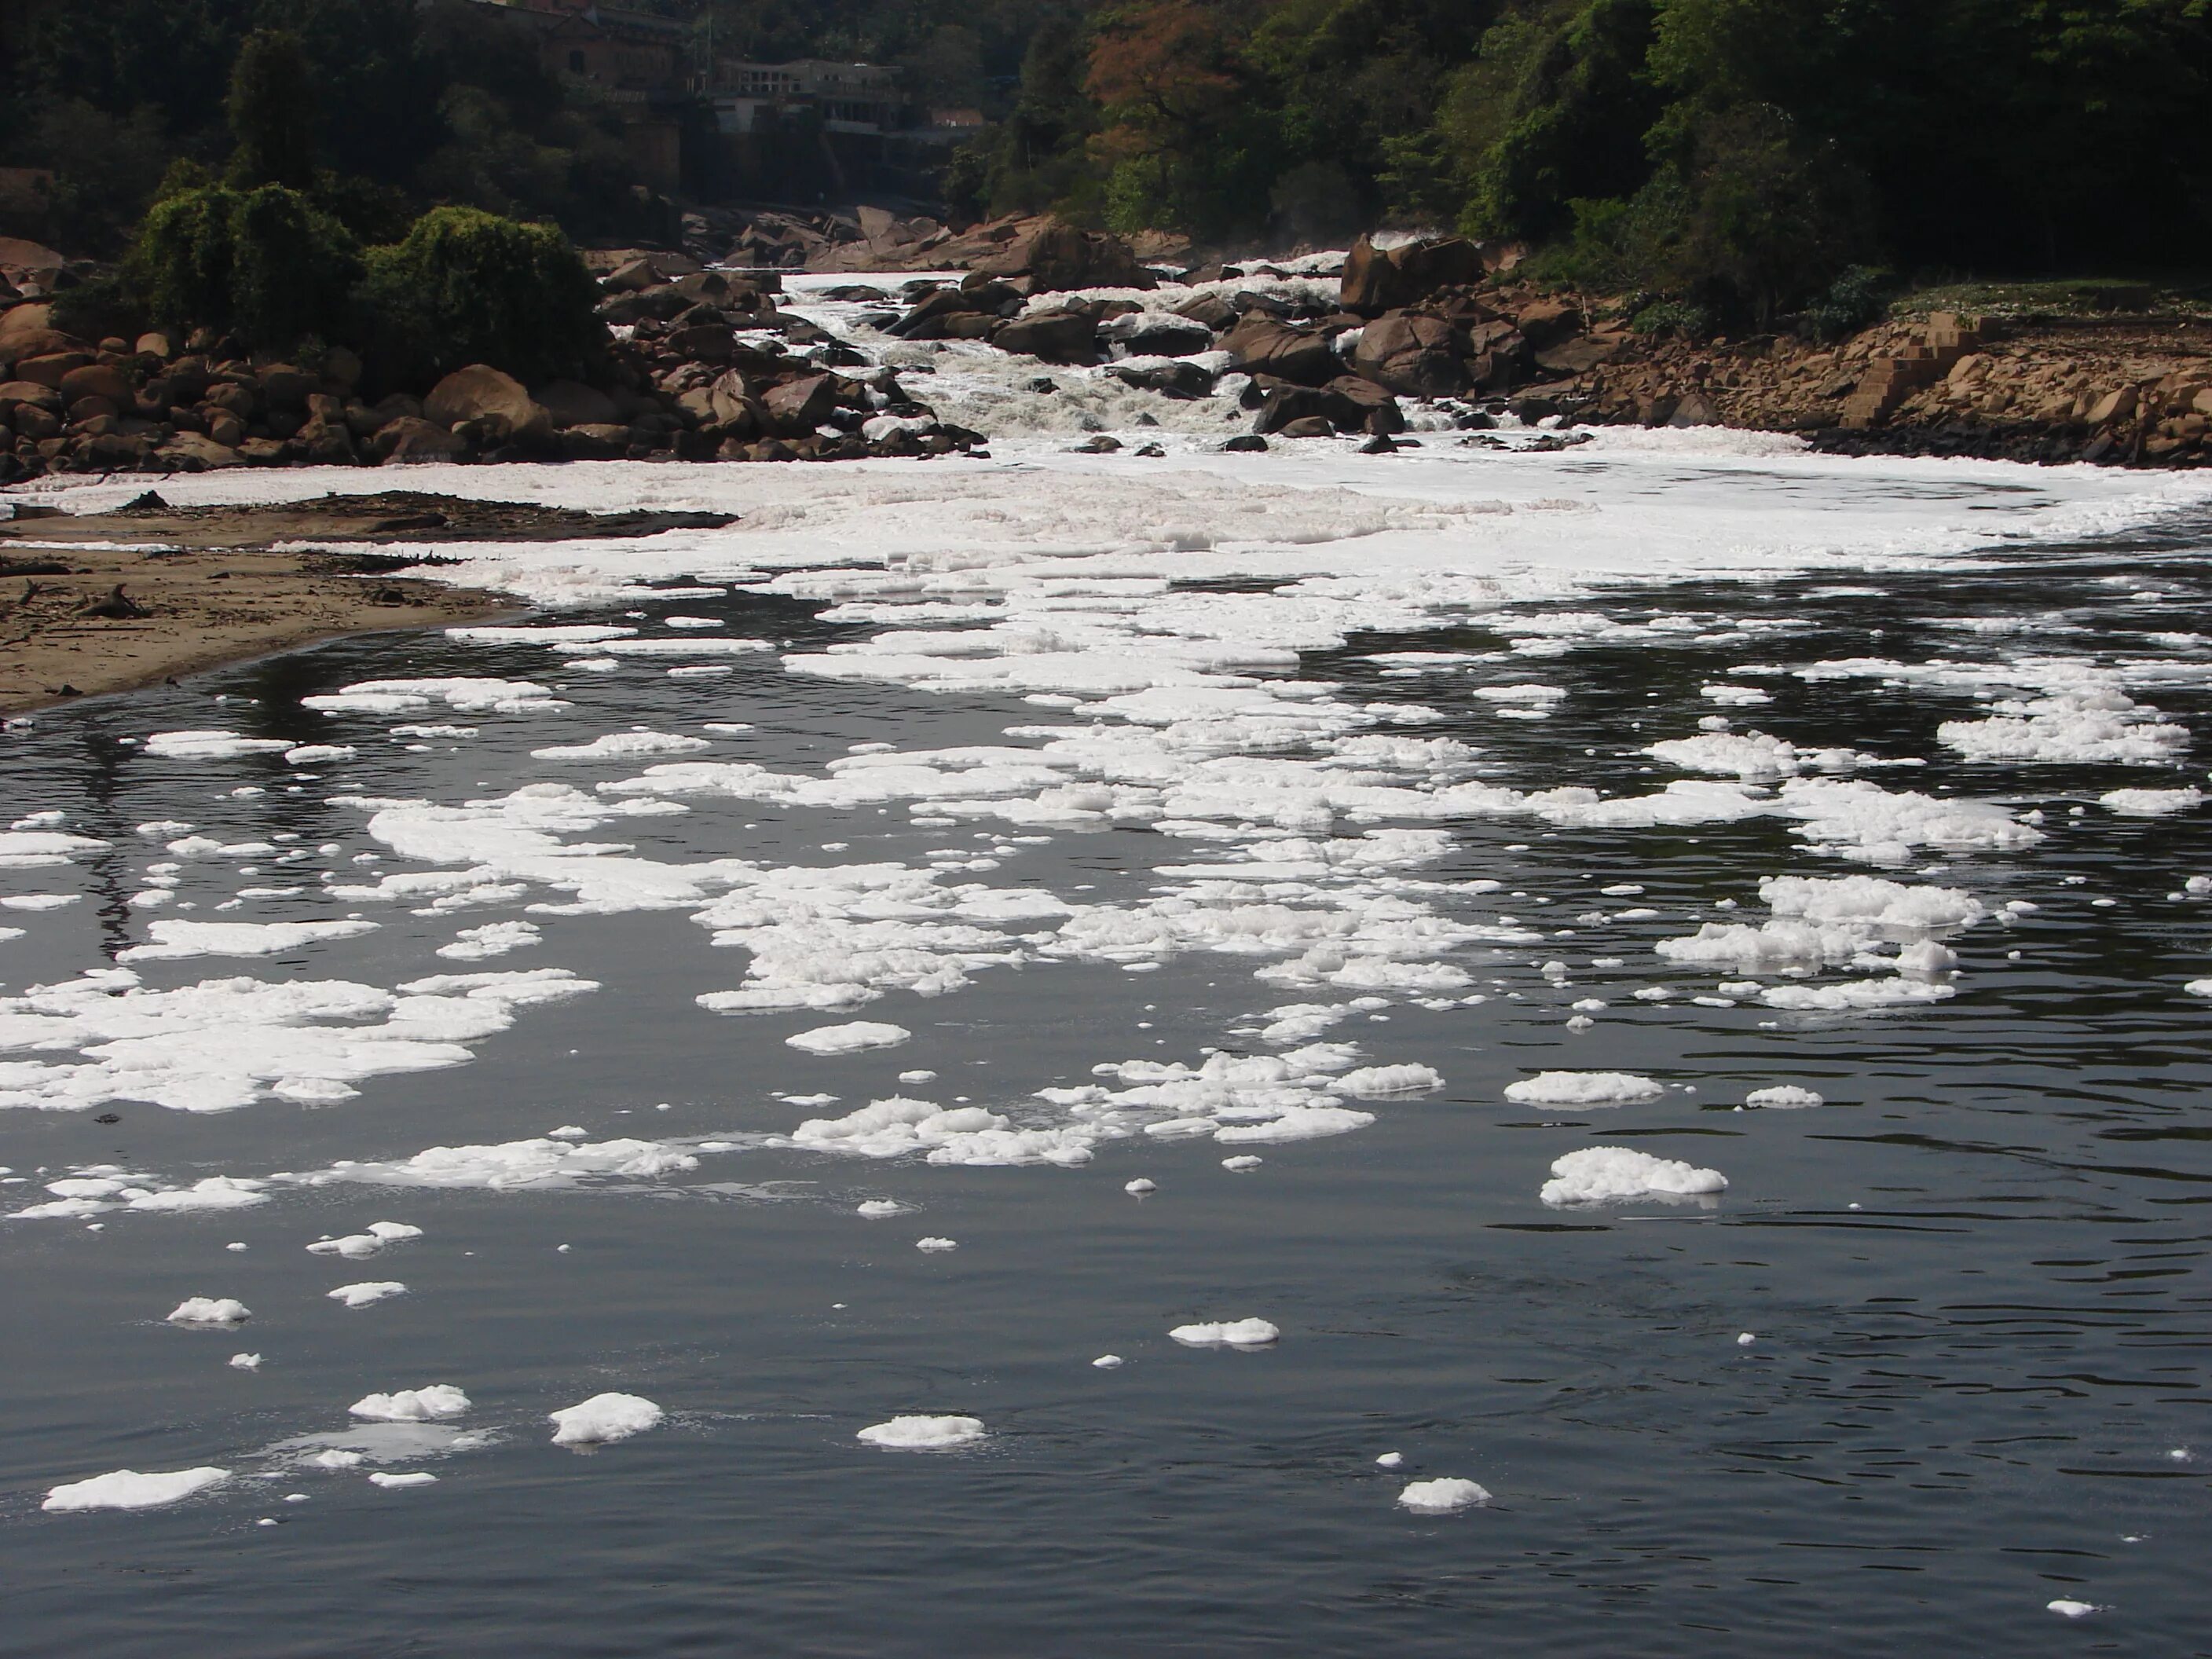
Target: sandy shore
x,y
94,602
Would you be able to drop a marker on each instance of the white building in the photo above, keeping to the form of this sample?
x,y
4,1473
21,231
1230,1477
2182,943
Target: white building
x,y
854,98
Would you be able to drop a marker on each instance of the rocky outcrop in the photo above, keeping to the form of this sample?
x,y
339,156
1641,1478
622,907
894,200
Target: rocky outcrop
x,y
703,366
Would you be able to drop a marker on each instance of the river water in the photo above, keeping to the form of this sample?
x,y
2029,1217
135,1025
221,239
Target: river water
x,y
1337,843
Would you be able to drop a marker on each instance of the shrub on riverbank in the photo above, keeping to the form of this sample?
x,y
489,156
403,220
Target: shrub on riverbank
x,y
468,287
265,265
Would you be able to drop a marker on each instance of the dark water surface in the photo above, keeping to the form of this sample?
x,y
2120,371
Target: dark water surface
x,y
1975,1277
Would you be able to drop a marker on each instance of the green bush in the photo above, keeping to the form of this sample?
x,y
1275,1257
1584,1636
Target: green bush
x,y
264,264
468,287
1857,299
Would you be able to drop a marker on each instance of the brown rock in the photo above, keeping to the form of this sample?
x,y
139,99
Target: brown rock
x,y
286,386
155,345
1307,426
97,381
48,370
797,407
1052,336
22,327
572,403
226,429
342,369
194,453
30,392
496,401
702,343
1413,355
411,438
1055,255
1377,280
1580,355
1545,321
2113,406
1262,346
630,277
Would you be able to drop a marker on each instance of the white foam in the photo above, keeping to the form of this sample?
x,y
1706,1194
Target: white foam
x,y
605,1419
208,745
1783,1098
210,1311
850,1039
367,1292
175,939
431,1403
390,1482
1607,1175
127,1489
1235,1334
2151,802
1583,1089
924,1433
625,745
1442,1496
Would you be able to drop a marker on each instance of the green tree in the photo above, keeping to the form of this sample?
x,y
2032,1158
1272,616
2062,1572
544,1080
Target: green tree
x,y
271,109
468,287
265,265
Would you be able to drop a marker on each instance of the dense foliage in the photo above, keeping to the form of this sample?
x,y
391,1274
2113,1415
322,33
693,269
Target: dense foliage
x,y
409,102
468,287
1737,155
265,265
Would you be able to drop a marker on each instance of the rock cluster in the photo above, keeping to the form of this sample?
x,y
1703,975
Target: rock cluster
x,y
703,367
1050,253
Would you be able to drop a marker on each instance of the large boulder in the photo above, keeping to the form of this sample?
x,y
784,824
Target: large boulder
x,y
797,407
1419,356
1377,280
1174,378
495,400
411,438
1056,255
572,403
1052,336
193,451
1157,334
21,326
1261,345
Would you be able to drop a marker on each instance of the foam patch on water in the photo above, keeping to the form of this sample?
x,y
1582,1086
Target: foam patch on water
x,y
432,1403
225,1043
127,1489
1583,1089
367,1292
924,1433
849,1038
1443,1495
1233,1333
1611,1174
604,1420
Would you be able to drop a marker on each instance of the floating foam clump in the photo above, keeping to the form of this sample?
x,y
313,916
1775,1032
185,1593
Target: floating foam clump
x,y
175,939
423,1405
1871,901
1583,1089
625,745
2151,802
1605,1175
389,1482
1238,1333
1783,1098
849,1038
605,1419
924,1433
210,1311
127,1489
367,1291
1442,1496
208,745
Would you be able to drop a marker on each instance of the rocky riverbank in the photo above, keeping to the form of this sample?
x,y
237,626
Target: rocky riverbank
x,y
720,364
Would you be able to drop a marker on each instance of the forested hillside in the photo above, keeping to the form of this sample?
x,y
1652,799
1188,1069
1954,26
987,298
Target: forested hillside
x,y
1741,154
